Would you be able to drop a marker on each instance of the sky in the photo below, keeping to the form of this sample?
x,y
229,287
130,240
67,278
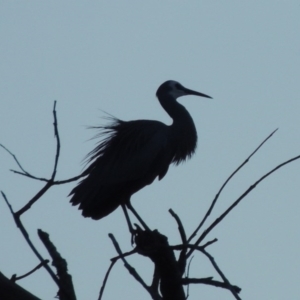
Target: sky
x,y
95,56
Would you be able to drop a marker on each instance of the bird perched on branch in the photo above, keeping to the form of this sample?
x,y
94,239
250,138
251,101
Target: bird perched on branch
x,y
132,154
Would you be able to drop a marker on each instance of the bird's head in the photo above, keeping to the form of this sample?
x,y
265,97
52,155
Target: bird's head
x,y
176,90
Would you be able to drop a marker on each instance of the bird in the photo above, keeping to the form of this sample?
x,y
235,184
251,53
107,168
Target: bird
x,y
132,154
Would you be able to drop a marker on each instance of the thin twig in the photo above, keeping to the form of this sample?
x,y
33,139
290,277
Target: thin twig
x,y
50,182
235,203
187,275
106,278
124,255
192,246
15,158
209,243
55,182
14,278
182,256
56,134
131,270
225,183
26,236
209,281
34,199
226,281
26,174
17,215
180,226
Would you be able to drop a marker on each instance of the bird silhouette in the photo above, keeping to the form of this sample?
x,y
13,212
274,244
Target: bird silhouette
x,y
131,154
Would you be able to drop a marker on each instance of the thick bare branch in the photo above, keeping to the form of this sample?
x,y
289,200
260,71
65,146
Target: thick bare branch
x,y
10,290
66,291
155,246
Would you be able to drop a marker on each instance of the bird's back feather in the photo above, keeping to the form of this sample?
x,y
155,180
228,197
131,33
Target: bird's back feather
x,y
129,157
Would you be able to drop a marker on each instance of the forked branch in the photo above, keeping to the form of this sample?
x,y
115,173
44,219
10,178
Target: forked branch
x,y
225,183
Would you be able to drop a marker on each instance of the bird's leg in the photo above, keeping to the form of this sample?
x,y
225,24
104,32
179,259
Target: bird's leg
x,y
128,204
131,230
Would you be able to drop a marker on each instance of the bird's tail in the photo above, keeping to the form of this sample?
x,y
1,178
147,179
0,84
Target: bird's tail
x,y
95,202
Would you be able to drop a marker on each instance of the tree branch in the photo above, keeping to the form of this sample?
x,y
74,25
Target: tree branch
x,y
225,183
14,278
182,256
106,278
27,239
11,291
226,281
131,270
155,246
209,281
66,291
235,203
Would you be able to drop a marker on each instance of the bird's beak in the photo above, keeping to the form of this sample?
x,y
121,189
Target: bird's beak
x,y
191,92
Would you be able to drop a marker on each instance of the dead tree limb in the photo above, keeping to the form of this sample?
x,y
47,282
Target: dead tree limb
x,y
12,291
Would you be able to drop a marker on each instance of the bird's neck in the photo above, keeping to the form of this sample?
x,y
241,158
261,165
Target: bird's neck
x,y
177,112
183,130
174,109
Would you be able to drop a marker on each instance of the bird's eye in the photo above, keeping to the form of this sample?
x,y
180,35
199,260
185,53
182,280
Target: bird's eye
x,y
177,85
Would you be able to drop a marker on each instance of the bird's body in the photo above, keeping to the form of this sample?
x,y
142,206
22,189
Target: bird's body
x,y
134,153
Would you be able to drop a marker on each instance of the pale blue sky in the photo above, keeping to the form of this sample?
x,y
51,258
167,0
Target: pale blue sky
x,y
112,56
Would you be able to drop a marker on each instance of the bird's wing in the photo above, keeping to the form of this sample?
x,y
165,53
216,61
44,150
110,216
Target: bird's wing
x,y
130,151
